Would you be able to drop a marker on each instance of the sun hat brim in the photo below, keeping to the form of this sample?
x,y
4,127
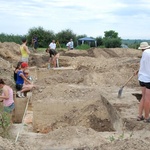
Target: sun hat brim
x,y
144,47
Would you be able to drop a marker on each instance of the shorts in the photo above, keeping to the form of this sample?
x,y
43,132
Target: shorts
x,y
10,108
143,84
24,59
19,86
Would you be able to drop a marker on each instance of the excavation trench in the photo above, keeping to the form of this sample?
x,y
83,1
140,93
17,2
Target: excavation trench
x,y
60,105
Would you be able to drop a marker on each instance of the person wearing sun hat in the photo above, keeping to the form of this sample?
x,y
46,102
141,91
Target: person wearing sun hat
x,y
144,45
21,79
144,81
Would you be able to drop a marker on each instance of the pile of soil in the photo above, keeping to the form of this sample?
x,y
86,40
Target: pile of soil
x,y
6,144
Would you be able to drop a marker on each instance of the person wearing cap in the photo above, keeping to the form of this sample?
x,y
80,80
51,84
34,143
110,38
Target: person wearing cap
x,y
24,51
21,79
144,81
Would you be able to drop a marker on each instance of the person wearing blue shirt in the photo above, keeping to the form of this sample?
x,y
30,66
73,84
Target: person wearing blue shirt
x,y
35,42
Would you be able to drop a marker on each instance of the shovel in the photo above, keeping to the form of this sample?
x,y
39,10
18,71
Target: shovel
x,y
121,89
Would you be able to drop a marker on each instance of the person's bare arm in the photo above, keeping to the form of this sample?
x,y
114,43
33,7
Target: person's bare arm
x,y
25,79
19,52
26,49
136,72
6,94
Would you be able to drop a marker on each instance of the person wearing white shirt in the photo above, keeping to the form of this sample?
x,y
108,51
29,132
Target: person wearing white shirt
x,y
52,45
144,81
71,44
54,55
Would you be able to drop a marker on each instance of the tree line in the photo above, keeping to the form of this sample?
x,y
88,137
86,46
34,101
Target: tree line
x,y
110,39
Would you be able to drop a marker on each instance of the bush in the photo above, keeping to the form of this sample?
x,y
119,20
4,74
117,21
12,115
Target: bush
x,y
5,122
83,47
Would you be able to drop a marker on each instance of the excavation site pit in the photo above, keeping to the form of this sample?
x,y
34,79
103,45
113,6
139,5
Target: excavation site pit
x,y
76,106
60,105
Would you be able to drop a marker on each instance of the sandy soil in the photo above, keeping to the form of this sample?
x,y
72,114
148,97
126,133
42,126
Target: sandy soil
x,y
91,116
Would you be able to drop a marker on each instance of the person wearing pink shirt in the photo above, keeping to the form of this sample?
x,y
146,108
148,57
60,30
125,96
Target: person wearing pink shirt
x,y
7,97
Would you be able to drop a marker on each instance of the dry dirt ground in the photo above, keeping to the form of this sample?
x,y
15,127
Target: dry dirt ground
x,y
89,115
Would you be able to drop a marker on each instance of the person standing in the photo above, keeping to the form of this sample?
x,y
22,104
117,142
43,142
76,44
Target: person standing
x,y
71,44
35,43
7,97
24,51
144,81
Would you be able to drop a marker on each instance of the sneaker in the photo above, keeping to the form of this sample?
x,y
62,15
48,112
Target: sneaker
x,y
22,95
19,94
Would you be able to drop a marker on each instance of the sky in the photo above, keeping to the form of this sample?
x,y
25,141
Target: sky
x,y
129,18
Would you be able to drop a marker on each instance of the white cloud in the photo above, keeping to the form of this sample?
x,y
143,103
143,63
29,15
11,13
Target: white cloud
x,y
129,18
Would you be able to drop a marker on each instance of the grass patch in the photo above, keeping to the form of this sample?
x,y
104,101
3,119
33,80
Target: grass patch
x,y
83,47
41,49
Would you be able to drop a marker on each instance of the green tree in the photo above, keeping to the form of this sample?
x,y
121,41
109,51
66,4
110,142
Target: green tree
x,y
99,41
111,39
44,36
64,37
134,45
10,38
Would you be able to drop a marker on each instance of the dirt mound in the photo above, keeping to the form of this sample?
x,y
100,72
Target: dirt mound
x,y
9,145
10,51
127,144
103,52
97,115
6,72
74,136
